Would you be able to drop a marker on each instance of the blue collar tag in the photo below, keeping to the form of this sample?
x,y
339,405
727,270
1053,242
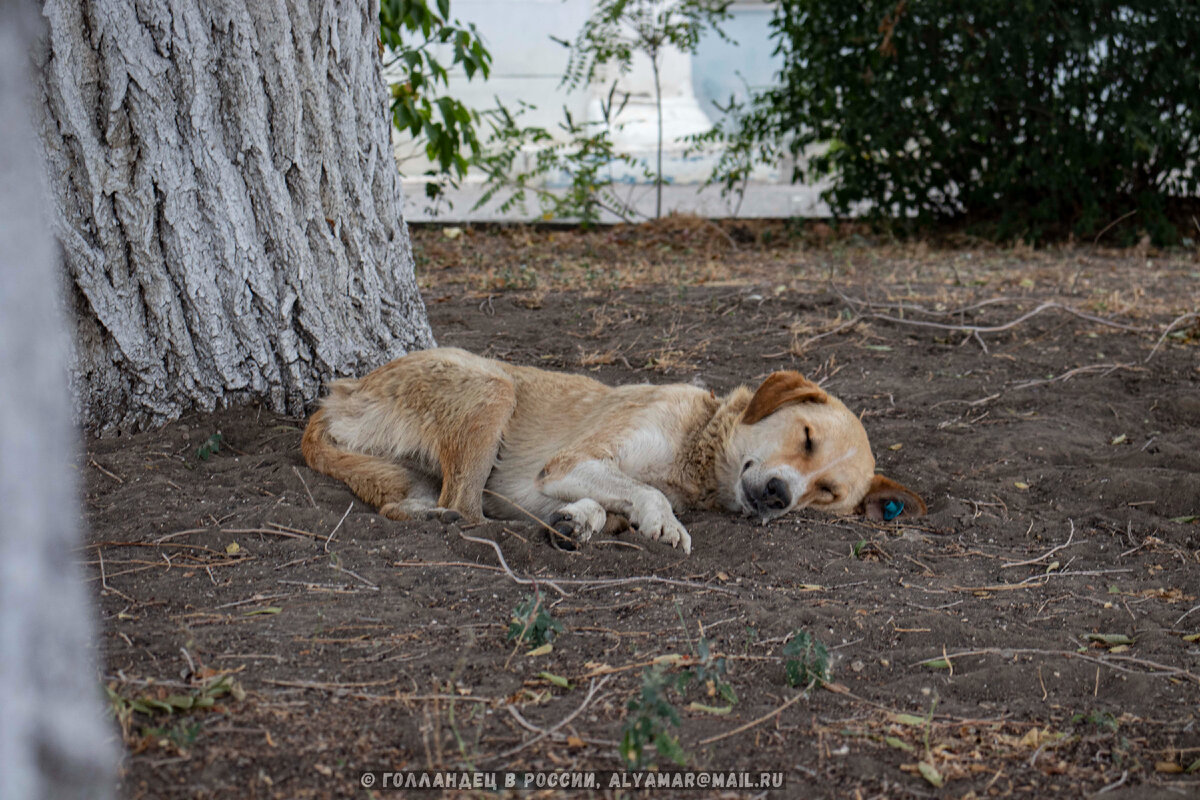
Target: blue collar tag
x,y
892,509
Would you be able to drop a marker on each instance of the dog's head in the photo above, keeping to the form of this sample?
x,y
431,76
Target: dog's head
x,y
798,447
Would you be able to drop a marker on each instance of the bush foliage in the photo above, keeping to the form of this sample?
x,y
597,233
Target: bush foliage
x,y
1032,117
419,35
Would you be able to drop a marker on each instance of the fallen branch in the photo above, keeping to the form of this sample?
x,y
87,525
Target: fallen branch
x,y
1181,318
503,563
1103,369
92,462
304,483
1185,615
1006,652
1034,581
329,538
553,533
1045,555
591,584
542,733
330,687
974,331
235,531
752,723
1049,305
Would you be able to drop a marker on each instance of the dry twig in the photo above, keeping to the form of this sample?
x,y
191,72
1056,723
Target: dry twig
x,y
306,489
752,723
329,538
508,570
1045,555
1107,661
542,733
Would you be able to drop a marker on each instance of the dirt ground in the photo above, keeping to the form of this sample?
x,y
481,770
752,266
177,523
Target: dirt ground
x,y
1034,635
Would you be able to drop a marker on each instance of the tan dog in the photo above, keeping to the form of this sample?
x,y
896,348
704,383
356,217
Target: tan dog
x,y
443,431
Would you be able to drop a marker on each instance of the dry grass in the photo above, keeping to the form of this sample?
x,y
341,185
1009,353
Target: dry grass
x,y
691,251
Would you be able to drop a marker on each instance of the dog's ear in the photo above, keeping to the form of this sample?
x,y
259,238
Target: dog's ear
x,y
780,389
886,500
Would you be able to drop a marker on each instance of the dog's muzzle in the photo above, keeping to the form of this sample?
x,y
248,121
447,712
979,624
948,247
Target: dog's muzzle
x,y
768,500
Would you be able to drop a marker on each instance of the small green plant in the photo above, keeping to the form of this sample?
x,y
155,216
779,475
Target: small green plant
x,y
808,660
709,671
197,699
524,278
210,445
158,705
522,159
1104,720
531,622
617,29
650,721
751,638
181,733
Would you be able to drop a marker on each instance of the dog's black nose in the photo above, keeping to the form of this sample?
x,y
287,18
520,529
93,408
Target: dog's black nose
x,y
775,495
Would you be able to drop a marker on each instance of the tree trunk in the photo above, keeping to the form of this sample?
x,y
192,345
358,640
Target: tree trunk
x,y
227,201
52,741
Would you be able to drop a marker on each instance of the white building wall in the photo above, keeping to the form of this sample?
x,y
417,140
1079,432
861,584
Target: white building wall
x,y
528,66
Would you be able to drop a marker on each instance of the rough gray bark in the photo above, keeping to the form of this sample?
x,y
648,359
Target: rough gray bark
x,y
227,200
52,741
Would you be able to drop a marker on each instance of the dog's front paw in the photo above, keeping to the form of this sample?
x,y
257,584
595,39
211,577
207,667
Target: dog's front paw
x,y
656,520
577,522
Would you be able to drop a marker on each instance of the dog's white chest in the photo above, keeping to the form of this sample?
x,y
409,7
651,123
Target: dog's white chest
x,y
647,453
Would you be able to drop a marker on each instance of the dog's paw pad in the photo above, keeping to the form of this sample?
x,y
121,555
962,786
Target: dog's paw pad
x,y
444,515
562,536
563,532
576,522
394,511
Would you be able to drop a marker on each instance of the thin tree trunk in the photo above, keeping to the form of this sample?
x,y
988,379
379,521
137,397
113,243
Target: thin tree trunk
x,y
52,741
228,202
658,172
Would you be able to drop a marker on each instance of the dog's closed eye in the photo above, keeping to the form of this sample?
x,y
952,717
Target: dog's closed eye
x,y
808,442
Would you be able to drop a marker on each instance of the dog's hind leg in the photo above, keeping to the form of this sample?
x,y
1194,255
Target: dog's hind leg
x,y
397,491
467,448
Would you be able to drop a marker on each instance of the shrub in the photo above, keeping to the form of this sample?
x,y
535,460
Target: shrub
x,y
1032,118
531,622
808,660
412,31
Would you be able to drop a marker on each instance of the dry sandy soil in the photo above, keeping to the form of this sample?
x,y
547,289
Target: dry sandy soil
x,y
1034,635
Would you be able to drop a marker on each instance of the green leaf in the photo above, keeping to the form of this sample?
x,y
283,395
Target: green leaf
x,y
909,719
1109,639
719,710
899,744
159,705
267,610
557,680
929,772
182,701
668,746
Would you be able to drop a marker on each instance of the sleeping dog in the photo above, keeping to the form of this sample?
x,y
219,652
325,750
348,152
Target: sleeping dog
x,y
447,433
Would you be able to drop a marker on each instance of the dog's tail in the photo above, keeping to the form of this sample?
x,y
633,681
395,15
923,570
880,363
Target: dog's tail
x,y
376,480
317,447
